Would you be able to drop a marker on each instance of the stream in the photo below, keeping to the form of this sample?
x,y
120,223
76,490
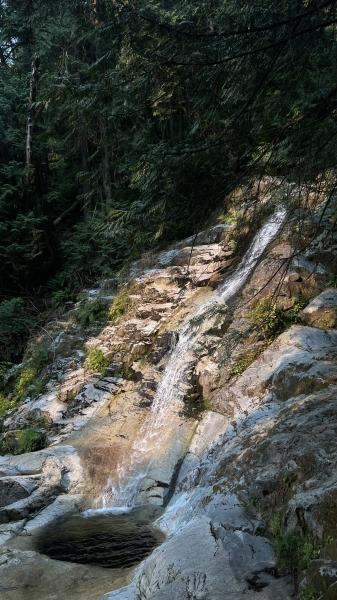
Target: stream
x,y
126,490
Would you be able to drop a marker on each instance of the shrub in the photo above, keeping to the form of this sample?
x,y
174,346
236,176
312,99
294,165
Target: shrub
x,y
22,441
309,593
15,325
59,297
29,440
294,550
96,361
90,312
4,370
39,358
271,319
119,306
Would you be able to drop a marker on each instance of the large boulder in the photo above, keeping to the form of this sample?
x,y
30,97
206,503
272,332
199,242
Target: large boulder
x,y
204,561
321,311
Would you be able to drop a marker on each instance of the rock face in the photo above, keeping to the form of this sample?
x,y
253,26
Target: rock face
x,y
246,463
32,481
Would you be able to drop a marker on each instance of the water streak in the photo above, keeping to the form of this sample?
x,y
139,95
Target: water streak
x,y
169,399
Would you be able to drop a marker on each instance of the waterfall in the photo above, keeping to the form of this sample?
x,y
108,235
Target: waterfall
x,y
124,490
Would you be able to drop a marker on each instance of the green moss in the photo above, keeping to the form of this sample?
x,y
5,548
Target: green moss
x,y
119,306
206,404
96,361
26,377
91,312
29,379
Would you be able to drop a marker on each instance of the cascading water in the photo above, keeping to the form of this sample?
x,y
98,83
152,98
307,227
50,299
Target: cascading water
x,y
124,492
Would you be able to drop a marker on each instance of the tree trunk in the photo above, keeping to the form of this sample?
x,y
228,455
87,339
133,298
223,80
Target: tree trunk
x,y
30,119
84,166
105,164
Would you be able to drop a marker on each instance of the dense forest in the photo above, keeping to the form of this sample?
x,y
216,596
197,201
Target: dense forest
x,y
124,124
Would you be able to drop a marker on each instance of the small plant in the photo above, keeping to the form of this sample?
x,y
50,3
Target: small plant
x,y
96,361
90,312
233,244
309,593
253,502
232,217
119,306
294,550
38,388
5,403
243,363
59,297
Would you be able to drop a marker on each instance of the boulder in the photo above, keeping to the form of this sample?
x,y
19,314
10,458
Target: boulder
x,y
13,489
203,561
28,575
321,311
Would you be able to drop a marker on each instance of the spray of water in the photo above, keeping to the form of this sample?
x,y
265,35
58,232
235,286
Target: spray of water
x,y
124,489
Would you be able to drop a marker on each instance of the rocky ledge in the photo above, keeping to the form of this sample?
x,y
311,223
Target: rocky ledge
x,y
247,468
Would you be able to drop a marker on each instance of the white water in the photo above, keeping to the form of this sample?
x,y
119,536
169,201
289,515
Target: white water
x,y
169,399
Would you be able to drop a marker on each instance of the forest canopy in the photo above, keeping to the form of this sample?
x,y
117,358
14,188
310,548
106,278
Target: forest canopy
x,y
124,123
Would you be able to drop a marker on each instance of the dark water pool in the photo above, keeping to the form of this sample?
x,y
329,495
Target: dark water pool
x,y
105,539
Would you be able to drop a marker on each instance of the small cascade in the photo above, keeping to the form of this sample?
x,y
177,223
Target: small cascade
x,y
124,489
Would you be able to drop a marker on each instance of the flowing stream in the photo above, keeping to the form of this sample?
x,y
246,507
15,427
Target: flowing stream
x,y
123,492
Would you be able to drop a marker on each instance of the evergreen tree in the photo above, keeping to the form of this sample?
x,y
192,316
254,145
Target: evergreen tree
x,y
123,124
